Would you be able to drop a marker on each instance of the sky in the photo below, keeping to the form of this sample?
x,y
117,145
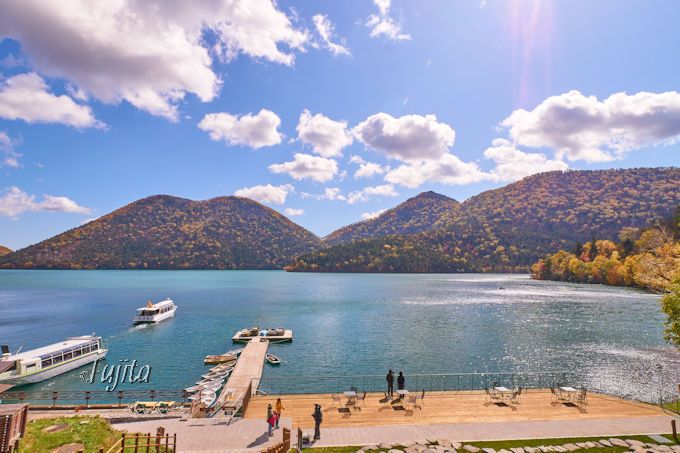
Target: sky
x,y
328,112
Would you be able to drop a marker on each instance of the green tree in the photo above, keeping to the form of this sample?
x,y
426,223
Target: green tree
x,y
670,304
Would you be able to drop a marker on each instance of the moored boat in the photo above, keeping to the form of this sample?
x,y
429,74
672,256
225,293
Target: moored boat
x,y
155,313
219,358
278,335
43,363
272,359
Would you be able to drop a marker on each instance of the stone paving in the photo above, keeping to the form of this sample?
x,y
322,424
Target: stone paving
x,y
447,446
213,435
473,432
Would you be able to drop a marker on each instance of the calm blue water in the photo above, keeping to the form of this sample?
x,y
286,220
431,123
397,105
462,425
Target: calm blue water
x,y
345,324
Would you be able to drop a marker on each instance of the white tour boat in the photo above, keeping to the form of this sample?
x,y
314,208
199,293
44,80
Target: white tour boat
x,y
43,363
154,313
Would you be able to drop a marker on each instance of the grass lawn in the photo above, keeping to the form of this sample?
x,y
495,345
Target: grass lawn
x,y
507,444
96,433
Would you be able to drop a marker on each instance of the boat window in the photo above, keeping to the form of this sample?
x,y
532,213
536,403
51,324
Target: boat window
x,y
46,362
77,352
68,354
57,358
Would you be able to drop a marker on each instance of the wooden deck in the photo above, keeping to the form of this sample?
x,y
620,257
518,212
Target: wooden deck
x,y
445,407
248,370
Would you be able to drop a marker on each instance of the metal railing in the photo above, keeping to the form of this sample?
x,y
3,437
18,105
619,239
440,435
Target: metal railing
x,y
427,382
87,397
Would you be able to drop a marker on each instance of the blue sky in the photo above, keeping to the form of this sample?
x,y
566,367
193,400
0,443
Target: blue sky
x,y
100,108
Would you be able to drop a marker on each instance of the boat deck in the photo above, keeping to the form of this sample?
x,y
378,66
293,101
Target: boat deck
x,y
247,371
446,407
286,337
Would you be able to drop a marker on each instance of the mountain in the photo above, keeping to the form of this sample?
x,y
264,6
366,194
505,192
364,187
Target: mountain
x,y
164,232
509,228
4,250
415,215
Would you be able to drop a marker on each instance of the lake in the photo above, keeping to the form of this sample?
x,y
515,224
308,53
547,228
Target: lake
x,y
348,324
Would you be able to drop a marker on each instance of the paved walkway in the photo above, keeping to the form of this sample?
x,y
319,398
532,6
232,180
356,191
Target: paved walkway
x,y
213,435
469,432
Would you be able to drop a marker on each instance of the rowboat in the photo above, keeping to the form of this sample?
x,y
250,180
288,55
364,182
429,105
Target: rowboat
x,y
272,359
205,397
219,358
217,375
199,387
210,383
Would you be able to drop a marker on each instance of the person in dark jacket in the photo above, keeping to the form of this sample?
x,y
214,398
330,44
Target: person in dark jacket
x,y
390,383
318,417
401,381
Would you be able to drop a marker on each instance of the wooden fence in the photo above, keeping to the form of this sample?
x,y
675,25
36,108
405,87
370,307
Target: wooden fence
x,y
281,447
144,443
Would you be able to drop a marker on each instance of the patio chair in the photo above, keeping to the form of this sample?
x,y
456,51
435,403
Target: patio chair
x,y
140,409
163,408
490,396
516,394
336,398
361,397
582,397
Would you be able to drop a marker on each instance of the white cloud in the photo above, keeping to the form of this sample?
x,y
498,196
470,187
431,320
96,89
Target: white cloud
x,y
372,215
448,169
408,138
382,25
294,212
330,193
255,131
513,164
266,193
326,30
326,136
149,53
26,97
11,156
307,166
367,169
15,201
580,127
385,190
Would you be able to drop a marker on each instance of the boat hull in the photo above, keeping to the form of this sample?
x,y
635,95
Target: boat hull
x,y
154,319
54,371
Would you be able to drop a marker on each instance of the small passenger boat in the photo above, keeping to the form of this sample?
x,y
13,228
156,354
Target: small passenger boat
x,y
36,365
155,313
272,359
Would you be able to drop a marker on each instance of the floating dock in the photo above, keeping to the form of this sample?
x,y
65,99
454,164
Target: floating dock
x,y
245,335
246,375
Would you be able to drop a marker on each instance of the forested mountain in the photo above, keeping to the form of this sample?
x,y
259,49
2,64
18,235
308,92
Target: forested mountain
x,y
164,232
4,250
510,228
412,216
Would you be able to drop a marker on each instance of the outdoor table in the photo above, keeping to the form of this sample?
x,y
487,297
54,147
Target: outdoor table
x,y
570,391
402,393
351,395
504,391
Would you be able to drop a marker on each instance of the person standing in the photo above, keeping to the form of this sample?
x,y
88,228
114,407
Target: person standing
x,y
390,383
270,420
401,381
278,409
318,417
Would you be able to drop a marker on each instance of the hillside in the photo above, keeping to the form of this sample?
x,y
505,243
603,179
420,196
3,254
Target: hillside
x,y
415,215
4,250
510,228
164,232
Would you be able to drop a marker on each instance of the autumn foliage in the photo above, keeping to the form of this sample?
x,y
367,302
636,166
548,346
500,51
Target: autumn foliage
x,y
647,258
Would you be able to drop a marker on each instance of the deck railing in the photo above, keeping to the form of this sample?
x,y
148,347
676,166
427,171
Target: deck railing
x,y
600,382
428,382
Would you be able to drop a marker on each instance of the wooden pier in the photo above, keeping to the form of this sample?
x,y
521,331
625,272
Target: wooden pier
x,y
244,379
